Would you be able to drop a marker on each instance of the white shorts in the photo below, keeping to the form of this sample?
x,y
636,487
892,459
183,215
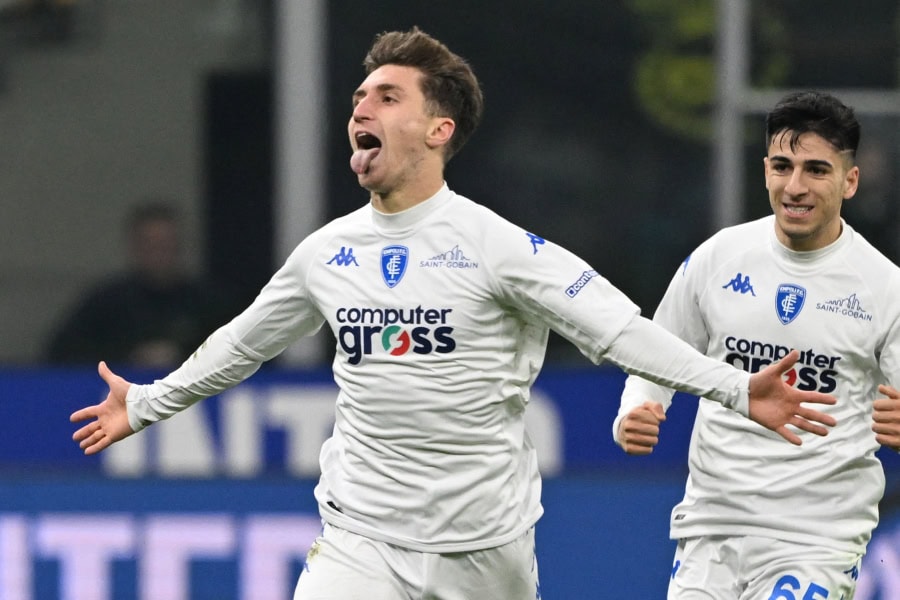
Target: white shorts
x,y
345,566
757,568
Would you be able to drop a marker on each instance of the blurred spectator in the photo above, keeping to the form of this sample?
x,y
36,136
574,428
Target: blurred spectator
x,y
152,315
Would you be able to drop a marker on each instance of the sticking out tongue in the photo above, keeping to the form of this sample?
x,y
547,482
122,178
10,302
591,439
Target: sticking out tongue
x,y
361,160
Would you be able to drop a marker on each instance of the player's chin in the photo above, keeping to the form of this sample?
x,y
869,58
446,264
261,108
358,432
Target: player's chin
x,y
370,183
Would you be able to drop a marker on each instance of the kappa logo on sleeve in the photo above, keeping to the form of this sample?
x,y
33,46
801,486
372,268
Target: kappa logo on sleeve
x,y
536,241
684,264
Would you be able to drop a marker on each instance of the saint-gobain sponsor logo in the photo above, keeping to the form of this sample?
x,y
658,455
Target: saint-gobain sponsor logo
x,y
454,258
848,307
576,287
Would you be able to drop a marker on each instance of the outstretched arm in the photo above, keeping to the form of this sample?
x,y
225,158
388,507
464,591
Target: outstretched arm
x,y
775,405
886,417
110,418
647,350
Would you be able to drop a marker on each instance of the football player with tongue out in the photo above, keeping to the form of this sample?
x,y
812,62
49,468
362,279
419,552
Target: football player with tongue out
x,y
440,310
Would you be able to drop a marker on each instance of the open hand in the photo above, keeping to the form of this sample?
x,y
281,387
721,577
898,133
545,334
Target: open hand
x,y
110,422
774,404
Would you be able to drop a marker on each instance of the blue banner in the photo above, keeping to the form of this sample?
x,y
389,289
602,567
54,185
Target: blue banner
x,y
275,422
217,502
88,538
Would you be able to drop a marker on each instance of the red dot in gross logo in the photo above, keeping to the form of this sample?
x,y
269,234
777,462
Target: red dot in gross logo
x,y
790,377
390,337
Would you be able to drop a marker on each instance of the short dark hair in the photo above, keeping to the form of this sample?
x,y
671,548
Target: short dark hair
x,y
815,112
448,82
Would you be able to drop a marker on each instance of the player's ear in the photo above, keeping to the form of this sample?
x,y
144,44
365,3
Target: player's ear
x,y
440,131
851,182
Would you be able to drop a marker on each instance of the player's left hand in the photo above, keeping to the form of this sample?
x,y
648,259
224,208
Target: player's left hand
x,y
886,417
774,404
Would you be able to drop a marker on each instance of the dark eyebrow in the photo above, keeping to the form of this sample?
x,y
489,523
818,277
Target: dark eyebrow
x,y
819,163
807,163
381,87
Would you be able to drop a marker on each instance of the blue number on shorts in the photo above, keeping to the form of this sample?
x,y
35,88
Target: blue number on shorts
x,y
781,592
675,568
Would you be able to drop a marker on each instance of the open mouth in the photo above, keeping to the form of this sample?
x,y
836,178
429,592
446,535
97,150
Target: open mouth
x,y
367,148
367,141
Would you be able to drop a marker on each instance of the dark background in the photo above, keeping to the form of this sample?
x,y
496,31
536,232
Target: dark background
x,y
597,128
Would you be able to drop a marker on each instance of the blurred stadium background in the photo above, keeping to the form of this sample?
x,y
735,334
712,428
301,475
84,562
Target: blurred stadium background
x,y
627,130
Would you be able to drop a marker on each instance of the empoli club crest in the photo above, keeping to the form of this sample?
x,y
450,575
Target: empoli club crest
x,y
393,264
789,301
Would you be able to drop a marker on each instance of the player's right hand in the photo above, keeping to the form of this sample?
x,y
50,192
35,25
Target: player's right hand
x,y
639,429
110,417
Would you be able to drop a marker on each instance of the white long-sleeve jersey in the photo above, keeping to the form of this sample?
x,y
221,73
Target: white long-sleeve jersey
x,y
745,299
441,317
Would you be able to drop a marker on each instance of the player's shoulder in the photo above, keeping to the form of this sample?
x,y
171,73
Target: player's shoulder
x,y
734,241
872,264
482,224
862,247
479,214
748,233
359,217
346,228
358,221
